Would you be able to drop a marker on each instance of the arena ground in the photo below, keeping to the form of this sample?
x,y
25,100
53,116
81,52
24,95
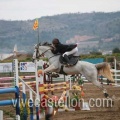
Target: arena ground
x,y
95,113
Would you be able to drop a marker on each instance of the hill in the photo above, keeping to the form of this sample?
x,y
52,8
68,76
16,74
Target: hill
x,y
20,56
94,31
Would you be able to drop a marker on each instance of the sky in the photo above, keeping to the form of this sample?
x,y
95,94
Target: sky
x,y
31,9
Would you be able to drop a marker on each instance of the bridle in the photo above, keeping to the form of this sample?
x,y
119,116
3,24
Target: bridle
x,y
42,54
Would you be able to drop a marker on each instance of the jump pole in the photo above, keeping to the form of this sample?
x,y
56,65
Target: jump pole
x,y
1,115
115,67
16,83
38,80
31,105
24,96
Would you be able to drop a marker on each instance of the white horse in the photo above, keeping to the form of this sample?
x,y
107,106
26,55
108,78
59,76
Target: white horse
x,y
89,70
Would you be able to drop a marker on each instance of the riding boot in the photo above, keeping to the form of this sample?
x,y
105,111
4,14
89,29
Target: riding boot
x,y
67,59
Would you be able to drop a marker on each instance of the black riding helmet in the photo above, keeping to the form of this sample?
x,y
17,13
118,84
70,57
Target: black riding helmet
x,y
55,41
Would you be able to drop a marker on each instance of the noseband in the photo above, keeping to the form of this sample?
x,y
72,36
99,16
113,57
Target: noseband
x,y
40,55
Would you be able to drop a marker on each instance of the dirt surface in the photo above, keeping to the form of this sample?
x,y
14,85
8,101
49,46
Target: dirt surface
x,y
110,112
95,113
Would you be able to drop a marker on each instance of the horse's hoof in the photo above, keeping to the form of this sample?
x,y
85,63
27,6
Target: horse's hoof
x,y
106,95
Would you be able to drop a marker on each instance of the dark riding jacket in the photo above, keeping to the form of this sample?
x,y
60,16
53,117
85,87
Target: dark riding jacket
x,y
62,48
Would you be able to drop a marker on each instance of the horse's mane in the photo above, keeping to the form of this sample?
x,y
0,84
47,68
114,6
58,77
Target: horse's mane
x,y
45,44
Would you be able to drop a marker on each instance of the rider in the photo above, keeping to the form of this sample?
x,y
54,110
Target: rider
x,y
64,49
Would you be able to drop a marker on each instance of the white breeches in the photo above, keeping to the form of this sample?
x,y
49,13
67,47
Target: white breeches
x,y
72,52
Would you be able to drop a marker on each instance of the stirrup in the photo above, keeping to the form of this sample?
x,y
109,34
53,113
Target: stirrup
x,y
68,65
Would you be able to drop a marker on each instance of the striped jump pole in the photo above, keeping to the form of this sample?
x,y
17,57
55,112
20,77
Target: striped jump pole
x,y
16,81
38,81
23,84
15,90
44,88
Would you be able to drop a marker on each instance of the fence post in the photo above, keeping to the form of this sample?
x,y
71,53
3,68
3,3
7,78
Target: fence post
x,y
115,67
1,115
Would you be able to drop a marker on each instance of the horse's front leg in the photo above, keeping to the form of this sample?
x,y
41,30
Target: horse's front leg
x,y
51,68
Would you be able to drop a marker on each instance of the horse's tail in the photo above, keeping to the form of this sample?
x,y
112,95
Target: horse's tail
x,y
104,70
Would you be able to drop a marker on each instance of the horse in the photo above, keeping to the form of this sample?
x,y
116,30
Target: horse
x,y
89,70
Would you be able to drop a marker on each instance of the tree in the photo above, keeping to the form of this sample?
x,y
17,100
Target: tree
x,y
116,50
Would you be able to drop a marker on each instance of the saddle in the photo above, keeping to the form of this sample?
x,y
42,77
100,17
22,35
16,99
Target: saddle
x,y
73,60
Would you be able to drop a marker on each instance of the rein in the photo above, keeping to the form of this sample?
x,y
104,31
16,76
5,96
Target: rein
x,y
43,53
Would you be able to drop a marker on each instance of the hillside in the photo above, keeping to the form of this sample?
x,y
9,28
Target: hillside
x,y
93,30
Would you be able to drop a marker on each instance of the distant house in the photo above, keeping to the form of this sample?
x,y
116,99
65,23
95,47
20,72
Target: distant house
x,y
107,53
88,44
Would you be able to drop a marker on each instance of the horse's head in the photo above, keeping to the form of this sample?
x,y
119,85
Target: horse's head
x,y
41,49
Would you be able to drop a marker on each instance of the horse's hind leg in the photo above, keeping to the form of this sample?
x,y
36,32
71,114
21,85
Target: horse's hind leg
x,y
99,85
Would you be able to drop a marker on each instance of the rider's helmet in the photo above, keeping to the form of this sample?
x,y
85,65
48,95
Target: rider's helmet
x,y
55,41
